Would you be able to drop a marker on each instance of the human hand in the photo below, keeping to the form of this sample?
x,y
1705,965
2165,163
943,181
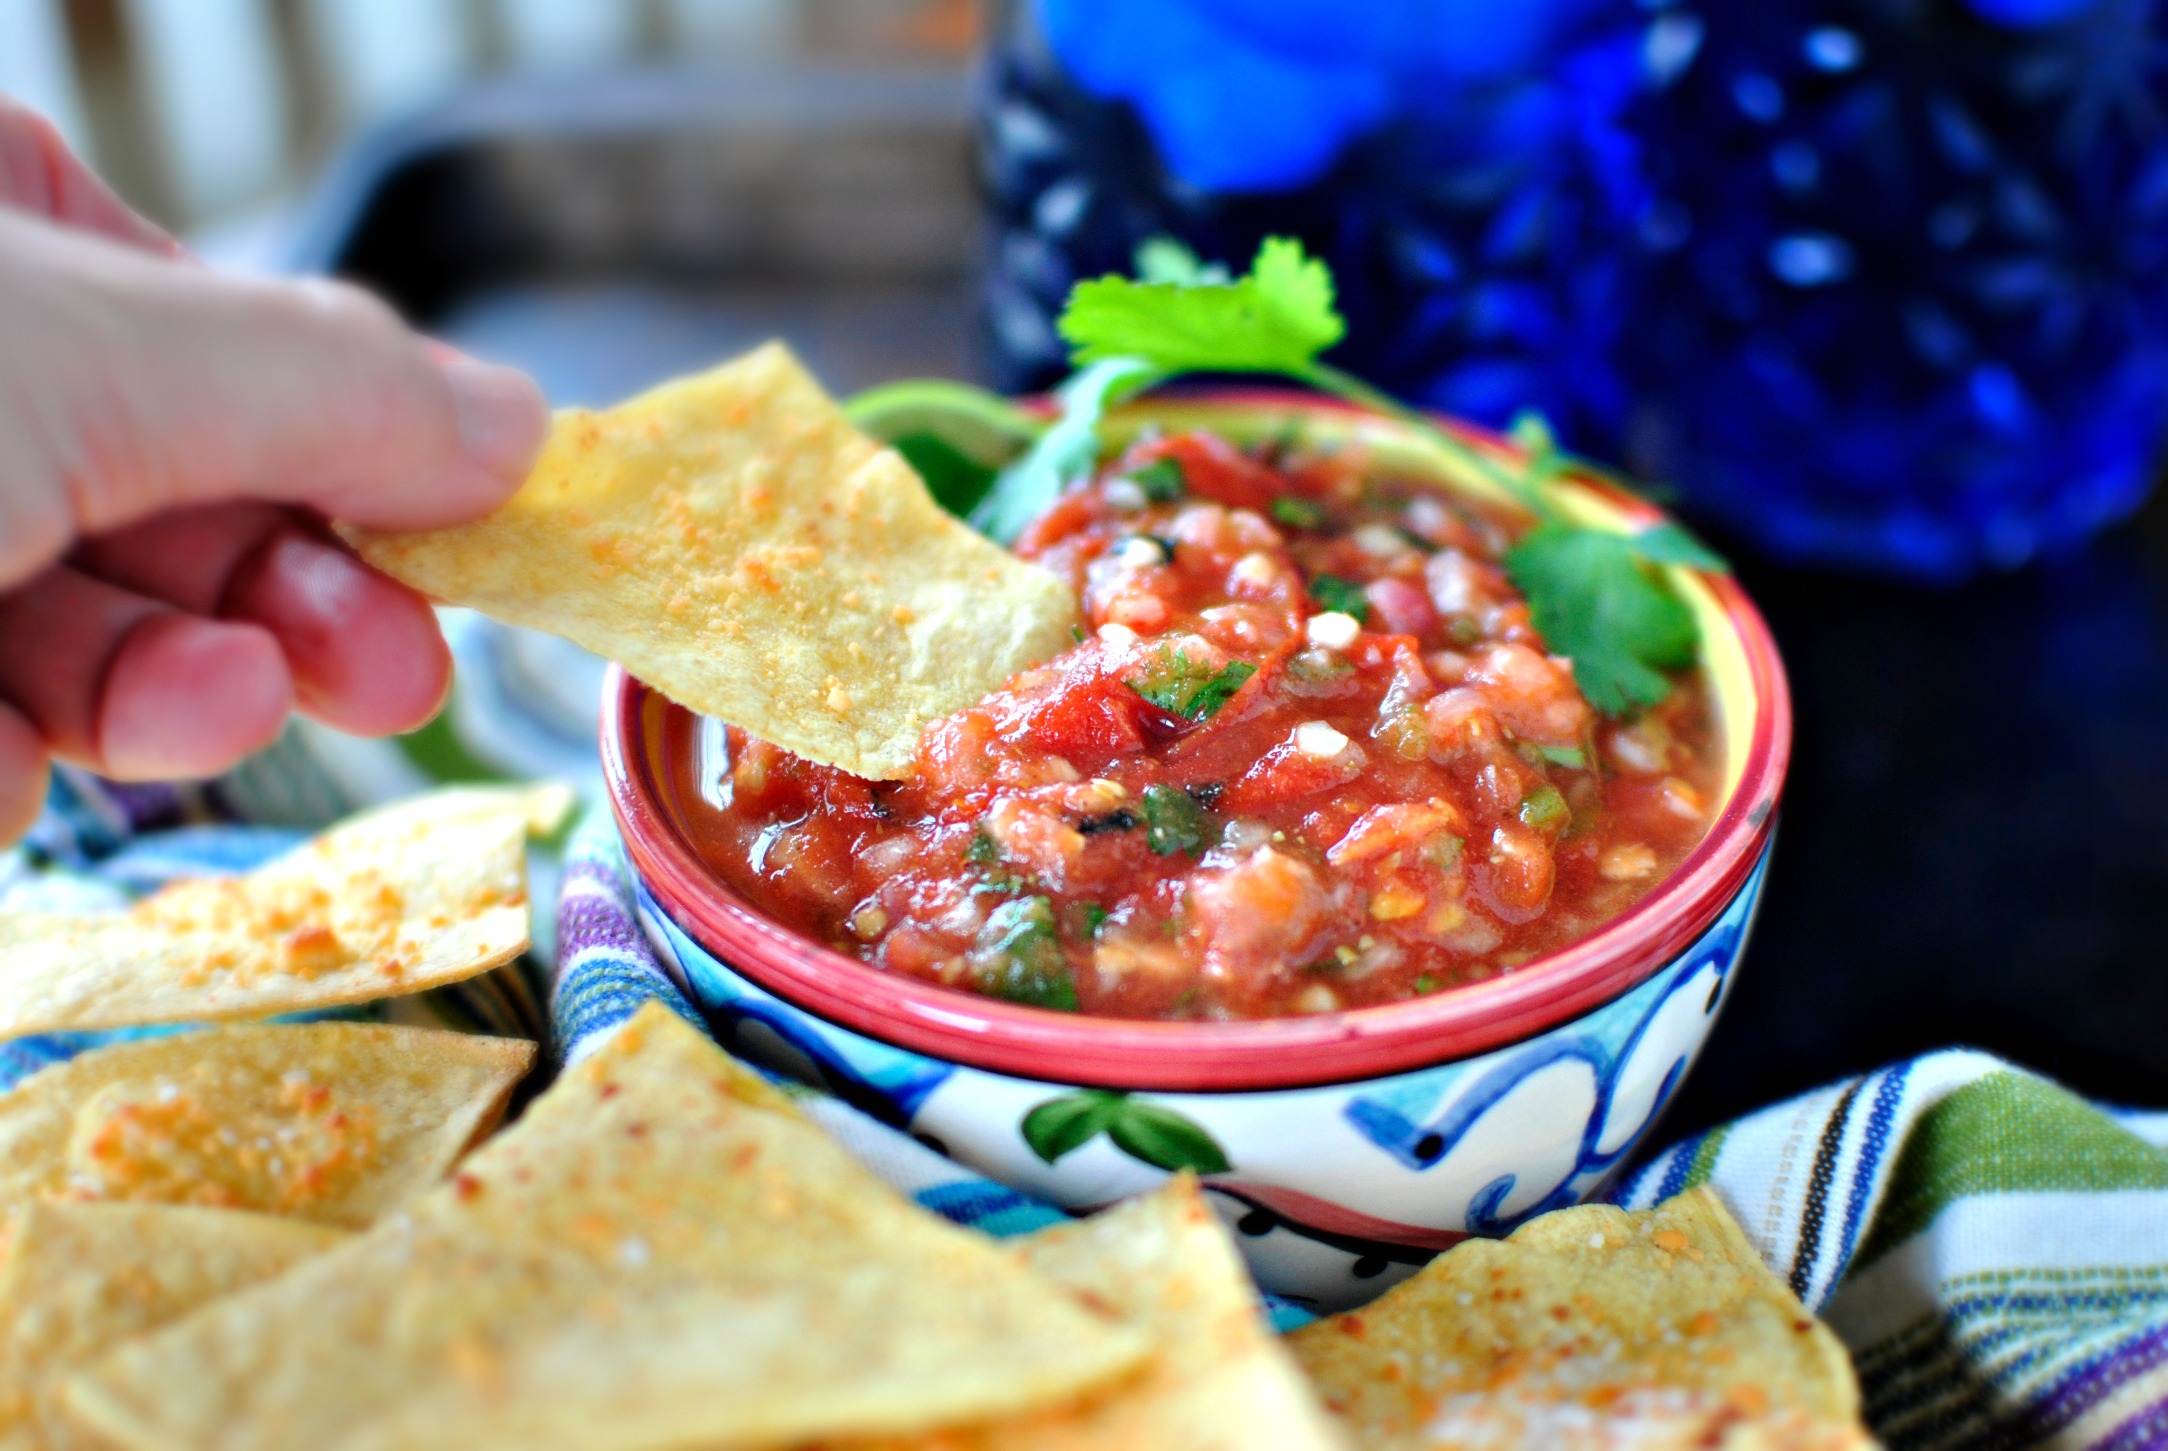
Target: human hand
x,y
171,441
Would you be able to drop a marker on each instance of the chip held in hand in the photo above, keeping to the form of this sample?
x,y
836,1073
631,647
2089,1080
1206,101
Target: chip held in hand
x,y
733,541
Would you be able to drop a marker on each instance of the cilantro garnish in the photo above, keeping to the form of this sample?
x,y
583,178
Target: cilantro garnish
x,y
1276,319
1340,596
1598,597
1174,821
1297,513
1064,453
1598,600
1019,956
1161,480
1190,688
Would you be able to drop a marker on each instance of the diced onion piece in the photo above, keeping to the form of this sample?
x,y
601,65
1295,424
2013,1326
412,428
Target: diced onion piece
x,y
1125,494
1137,552
1315,738
1333,630
1121,637
1254,570
1379,539
1627,861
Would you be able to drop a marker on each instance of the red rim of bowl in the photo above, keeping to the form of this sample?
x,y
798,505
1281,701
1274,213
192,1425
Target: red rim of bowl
x,y
961,1027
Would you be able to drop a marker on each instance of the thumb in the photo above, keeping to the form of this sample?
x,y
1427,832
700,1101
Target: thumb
x,y
130,384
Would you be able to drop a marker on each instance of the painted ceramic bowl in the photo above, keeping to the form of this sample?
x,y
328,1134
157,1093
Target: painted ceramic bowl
x,y
1346,1148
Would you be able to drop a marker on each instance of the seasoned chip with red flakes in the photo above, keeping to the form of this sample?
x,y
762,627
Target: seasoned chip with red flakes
x,y
1589,1329
332,1122
415,895
660,1253
91,1276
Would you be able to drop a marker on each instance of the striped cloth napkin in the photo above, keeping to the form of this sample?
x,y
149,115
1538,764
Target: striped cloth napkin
x,y
1993,1249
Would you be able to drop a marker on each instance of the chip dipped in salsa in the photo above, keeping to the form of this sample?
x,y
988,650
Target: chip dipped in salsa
x,y
1309,752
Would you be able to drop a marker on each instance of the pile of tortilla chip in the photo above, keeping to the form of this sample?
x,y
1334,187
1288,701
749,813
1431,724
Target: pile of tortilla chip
x,y
661,1252
262,1235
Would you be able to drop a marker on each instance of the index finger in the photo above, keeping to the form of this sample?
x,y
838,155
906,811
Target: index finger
x,y
40,175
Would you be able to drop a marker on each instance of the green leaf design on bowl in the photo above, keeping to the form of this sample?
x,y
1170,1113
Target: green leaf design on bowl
x,y
1149,1132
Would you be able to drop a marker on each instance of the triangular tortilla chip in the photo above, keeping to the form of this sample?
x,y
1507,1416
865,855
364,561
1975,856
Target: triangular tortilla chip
x,y
1591,1328
1217,1379
733,541
333,1122
658,1254
424,892
87,1277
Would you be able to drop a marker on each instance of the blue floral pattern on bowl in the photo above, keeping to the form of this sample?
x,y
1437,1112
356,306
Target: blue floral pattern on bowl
x,y
1334,1190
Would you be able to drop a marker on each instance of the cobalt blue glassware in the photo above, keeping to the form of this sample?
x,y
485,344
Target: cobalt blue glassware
x,y
1875,282
1914,318
1463,166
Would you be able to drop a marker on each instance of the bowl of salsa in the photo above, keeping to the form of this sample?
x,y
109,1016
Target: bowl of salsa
x,y
1309,867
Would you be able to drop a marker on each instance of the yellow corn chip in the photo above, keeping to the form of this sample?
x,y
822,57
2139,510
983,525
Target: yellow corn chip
x,y
421,893
1217,1378
732,540
90,1276
1591,1328
333,1122
658,1254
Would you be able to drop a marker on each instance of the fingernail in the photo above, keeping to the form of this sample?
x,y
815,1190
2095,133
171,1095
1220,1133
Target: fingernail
x,y
501,413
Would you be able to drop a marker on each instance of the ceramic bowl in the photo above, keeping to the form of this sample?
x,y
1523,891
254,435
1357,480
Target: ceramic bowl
x,y
1345,1149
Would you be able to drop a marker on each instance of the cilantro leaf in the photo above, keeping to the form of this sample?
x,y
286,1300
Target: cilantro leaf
x,y
1182,685
1018,956
1297,512
1174,822
1161,480
1341,596
956,480
1217,691
1064,453
1596,600
1275,319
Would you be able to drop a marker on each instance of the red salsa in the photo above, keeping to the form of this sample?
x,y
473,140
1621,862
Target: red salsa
x,y
1310,755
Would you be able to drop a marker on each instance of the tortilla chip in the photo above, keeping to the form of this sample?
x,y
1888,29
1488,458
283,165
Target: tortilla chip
x,y
1591,1327
658,1254
1217,1379
732,540
90,1276
424,892
332,1122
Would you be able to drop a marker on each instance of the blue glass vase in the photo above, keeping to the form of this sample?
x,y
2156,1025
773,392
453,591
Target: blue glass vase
x,y
1872,282
1915,311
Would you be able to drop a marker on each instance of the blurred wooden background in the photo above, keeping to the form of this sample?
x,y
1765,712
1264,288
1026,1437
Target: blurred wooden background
x,y
203,112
